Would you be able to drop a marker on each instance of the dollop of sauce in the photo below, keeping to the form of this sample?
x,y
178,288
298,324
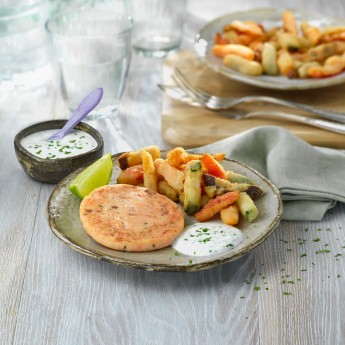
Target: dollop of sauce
x,y
74,143
201,239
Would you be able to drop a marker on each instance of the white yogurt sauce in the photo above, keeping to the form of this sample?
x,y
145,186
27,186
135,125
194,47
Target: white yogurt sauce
x,y
74,143
201,239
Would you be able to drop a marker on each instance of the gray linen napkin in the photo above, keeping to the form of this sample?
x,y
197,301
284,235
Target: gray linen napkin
x,y
311,179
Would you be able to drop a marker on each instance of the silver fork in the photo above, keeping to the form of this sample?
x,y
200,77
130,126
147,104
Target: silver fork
x,y
217,103
179,94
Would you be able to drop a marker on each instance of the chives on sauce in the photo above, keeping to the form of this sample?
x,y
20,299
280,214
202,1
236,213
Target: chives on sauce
x,y
198,240
74,143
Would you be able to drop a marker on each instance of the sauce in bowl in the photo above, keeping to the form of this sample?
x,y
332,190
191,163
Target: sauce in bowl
x,y
203,239
74,143
50,161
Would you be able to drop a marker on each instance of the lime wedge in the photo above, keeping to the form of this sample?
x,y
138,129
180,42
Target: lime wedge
x,y
96,175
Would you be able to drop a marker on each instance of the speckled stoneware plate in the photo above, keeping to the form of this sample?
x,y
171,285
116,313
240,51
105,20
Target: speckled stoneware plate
x,y
63,216
268,17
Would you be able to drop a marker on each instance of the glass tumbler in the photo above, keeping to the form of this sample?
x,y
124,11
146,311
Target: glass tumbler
x,y
23,40
158,26
91,49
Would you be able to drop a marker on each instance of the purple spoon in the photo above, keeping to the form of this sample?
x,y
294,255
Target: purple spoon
x,y
85,106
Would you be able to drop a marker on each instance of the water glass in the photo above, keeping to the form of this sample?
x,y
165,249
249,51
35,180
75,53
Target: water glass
x,y
158,26
23,41
91,49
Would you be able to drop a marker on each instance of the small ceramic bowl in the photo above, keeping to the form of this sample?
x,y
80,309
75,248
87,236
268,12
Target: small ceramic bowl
x,y
54,170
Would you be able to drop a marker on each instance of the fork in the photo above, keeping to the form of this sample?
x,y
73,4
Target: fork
x,y
179,94
217,103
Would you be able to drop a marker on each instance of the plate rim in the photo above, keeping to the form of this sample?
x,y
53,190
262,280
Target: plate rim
x,y
255,81
193,267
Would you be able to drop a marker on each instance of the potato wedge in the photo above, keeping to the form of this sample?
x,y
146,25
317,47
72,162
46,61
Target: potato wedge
x,y
150,175
340,36
176,157
133,175
304,68
333,29
269,59
311,32
246,39
332,66
168,191
289,41
286,65
230,215
217,156
220,39
242,65
248,27
321,52
173,176
289,22
129,159
231,36
221,50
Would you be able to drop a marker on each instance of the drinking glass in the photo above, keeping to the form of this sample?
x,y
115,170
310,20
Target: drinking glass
x,y
23,41
158,26
91,49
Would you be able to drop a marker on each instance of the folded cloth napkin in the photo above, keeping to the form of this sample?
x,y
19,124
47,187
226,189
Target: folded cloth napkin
x,y
311,179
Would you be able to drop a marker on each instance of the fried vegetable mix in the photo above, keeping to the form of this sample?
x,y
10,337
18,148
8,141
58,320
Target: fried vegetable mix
x,y
198,181
294,50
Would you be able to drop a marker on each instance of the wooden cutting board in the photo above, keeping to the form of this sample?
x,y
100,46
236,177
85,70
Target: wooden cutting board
x,y
187,126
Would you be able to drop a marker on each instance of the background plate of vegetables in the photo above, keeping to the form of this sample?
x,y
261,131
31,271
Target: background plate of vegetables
x,y
275,49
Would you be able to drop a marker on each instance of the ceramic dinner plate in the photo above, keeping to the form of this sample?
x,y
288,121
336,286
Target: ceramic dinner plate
x,y
268,18
63,216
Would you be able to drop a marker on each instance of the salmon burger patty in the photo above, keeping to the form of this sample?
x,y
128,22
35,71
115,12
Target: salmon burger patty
x,y
130,218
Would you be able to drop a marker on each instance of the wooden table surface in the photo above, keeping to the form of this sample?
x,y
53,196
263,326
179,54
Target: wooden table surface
x,y
289,290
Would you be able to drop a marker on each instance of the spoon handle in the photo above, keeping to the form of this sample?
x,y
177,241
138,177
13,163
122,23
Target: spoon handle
x,y
85,106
